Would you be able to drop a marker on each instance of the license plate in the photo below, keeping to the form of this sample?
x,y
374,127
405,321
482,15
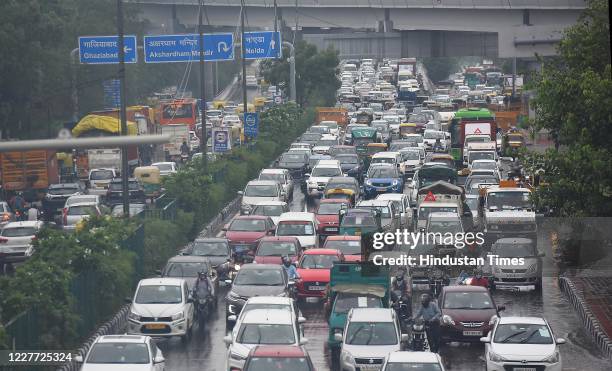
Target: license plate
x,y
369,367
155,326
331,229
317,288
524,369
472,333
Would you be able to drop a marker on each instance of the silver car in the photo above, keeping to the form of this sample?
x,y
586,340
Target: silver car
x,y
78,212
16,240
517,274
283,177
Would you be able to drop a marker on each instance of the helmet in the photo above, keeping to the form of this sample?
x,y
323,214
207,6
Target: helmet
x,y
425,299
202,274
399,278
286,261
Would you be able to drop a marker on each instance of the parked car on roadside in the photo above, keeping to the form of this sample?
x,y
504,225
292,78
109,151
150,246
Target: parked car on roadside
x,y
16,240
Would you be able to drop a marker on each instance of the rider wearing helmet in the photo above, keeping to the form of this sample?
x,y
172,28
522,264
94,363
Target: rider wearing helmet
x,y
290,268
431,314
479,279
184,148
202,287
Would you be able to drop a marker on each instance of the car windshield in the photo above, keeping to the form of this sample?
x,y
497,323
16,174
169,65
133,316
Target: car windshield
x,y
399,145
67,190
345,247
480,155
414,139
210,249
472,182
515,250
410,155
508,200
185,269
119,353
385,212
18,232
259,277
488,165
468,300
433,135
276,248
329,208
256,333
277,363
444,226
164,167
318,261
522,333
118,187
383,160
359,220
101,175
327,142
276,177
295,229
134,209
412,366
371,333
312,137
248,225
78,199
261,190
348,159
293,158
418,118
345,302
472,203
326,172
425,211
268,210
383,172
81,210
159,294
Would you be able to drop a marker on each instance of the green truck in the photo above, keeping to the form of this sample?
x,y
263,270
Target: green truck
x,y
354,285
362,136
470,122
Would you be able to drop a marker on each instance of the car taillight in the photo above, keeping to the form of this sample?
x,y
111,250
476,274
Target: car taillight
x,y
34,238
3,240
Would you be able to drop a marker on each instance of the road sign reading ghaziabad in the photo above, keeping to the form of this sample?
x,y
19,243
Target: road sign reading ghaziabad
x,y
186,48
105,49
262,45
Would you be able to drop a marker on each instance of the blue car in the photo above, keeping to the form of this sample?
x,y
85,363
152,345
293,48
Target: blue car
x,y
382,178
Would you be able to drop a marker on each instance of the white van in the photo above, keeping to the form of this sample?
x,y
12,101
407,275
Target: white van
x,y
301,225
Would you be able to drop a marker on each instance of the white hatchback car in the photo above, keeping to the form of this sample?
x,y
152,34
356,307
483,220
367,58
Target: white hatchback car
x,y
16,240
123,352
413,361
161,307
522,343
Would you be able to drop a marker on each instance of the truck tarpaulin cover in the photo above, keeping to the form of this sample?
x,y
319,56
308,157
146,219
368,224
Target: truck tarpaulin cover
x,y
107,124
441,187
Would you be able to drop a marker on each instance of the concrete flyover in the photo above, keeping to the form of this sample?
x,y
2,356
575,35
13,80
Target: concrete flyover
x,y
391,28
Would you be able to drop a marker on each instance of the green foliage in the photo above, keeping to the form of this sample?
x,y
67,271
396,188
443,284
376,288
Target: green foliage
x,y
316,80
163,238
439,68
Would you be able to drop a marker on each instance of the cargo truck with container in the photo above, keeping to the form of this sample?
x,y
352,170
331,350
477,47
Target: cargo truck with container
x,y
178,133
30,172
338,114
476,123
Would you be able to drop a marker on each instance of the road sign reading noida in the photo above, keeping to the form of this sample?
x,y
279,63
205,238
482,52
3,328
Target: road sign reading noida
x,y
262,45
185,48
105,49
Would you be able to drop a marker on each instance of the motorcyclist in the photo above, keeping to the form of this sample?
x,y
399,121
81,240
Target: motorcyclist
x,y
438,145
431,315
290,269
17,202
202,288
479,280
184,149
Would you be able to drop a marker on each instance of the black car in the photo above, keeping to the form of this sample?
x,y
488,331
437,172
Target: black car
x,y
310,138
114,195
255,280
57,194
216,250
188,267
295,162
351,165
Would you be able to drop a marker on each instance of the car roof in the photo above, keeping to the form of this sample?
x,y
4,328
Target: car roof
x,y
333,201
391,196
88,203
122,339
76,197
413,357
262,182
247,217
385,154
163,163
321,251
268,316
189,259
170,281
280,238
210,239
271,203
443,215
269,300
375,202
279,351
328,163
371,314
524,320
343,238
297,215
260,266
464,288
33,223
273,171
515,240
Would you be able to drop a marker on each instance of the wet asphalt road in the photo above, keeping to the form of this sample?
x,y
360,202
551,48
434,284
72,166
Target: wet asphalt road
x,y
206,350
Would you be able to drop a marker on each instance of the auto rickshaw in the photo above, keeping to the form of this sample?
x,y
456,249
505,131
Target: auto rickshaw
x,y
150,179
446,159
240,108
407,128
341,194
219,104
259,102
512,141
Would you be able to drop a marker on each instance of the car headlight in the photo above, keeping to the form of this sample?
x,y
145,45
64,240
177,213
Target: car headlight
x,y
178,316
237,356
554,358
368,182
447,320
395,183
347,357
494,357
493,319
133,316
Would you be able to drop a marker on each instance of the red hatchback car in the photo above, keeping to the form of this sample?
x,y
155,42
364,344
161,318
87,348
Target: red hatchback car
x,y
314,268
349,246
327,215
278,358
468,313
271,250
244,232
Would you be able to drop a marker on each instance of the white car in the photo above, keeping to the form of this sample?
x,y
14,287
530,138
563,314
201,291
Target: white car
x,y
522,343
402,203
273,209
260,190
334,129
392,158
99,180
411,160
161,307
261,327
319,176
283,177
301,225
430,137
123,352
165,168
370,334
16,240
486,165
413,361
267,302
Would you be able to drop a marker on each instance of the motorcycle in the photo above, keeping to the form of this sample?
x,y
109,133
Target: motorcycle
x,y
202,310
418,336
184,158
403,308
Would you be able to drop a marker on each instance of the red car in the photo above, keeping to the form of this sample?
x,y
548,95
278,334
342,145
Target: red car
x,y
270,250
278,358
244,232
327,216
313,269
468,313
349,246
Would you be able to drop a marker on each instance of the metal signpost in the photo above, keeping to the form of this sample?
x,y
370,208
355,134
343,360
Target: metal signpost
x,y
262,45
105,49
186,48
251,124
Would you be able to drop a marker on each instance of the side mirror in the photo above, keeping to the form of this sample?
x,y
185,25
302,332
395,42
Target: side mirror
x,y
240,193
501,308
338,337
303,341
232,318
301,320
485,339
227,340
291,283
78,358
560,341
159,359
307,175
404,337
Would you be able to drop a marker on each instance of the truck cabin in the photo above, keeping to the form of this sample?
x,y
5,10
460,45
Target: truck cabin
x,y
502,198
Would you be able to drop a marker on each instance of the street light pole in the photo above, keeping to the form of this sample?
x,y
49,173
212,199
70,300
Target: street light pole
x,y
73,81
203,137
123,111
291,59
244,91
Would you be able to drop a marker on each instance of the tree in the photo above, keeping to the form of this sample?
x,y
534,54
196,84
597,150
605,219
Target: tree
x,y
440,68
316,80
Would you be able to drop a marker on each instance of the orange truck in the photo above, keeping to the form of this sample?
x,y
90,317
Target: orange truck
x,y
338,114
28,171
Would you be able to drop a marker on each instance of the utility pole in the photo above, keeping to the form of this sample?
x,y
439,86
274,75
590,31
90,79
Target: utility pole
x,y
244,90
203,137
123,112
73,82
275,20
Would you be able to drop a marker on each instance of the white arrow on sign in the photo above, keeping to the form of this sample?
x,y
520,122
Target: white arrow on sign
x,y
272,43
126,49
223,46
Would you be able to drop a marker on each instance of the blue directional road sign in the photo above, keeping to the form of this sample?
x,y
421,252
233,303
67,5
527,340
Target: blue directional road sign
x,y
185,48
105,49
262,45
251,124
